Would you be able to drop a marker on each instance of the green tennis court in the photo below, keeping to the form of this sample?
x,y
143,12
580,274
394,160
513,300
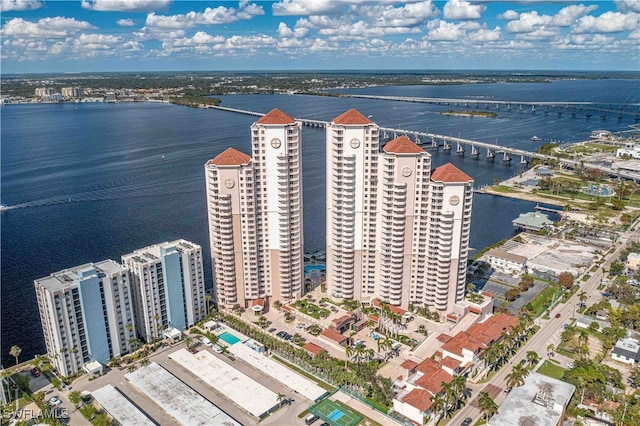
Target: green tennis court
x,y
336,413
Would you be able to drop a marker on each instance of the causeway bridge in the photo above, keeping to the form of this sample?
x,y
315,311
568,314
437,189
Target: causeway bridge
x,y
462,147
571,108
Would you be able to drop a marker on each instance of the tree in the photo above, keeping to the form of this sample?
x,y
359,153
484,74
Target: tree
x,y
550,349
533,358
517,376
512,294
188,341
438,404
634,377
75,397
487,405
15,352
565,279
616,268
422,329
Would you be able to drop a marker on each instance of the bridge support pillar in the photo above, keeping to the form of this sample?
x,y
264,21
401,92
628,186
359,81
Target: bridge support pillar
x,y
490,155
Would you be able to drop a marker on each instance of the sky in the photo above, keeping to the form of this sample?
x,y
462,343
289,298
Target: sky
x,y
173,35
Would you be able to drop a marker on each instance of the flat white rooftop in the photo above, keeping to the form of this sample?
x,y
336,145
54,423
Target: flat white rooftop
x,y
119,407
541,401
233,384
289,378
184,404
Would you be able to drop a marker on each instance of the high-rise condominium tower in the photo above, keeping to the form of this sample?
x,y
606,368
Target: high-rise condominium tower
x,y
168,284
396,229
87,314
255,215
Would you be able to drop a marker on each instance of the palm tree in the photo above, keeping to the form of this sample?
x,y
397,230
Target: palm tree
x,y
487,405
550,349
517,376
459,387
144,362
280,397
188,341
533,358
348,351
449,396
422,329
207,299
15,352
131,368
438,404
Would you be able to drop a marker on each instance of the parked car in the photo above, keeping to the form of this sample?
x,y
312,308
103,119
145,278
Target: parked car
x,y
35,372
466,422
217,349
271,330
207,342
54,401
557,315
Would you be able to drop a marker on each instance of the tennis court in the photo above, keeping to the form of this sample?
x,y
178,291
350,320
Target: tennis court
x,y
336,413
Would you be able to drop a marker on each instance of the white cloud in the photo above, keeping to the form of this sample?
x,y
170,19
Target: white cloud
x,y
570,14
528,22
306,7
608,22
125,22
405,16
210,16
628,5
125,5
19,5
461,10
45,27
203,38
484,35
444,31
284,31
509,15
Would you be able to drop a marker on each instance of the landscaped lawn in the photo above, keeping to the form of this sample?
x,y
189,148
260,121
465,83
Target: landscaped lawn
x,y
551,370
543,299
311,309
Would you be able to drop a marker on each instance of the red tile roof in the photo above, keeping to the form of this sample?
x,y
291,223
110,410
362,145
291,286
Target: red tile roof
x,y
312,348
394,309
333,334
449,173
230,157
402,145
275,116
475,310
444,338
480,335
491,330
409,365
433,376
419,398
462,340
258,302
452,363
352,116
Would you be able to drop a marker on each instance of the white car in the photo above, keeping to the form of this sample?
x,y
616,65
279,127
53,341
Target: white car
x,y
207,342
216,348
54,401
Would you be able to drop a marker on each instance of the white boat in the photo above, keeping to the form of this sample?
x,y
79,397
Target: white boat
x,y
535,138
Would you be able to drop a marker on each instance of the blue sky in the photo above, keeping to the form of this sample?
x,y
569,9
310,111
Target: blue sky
x,y
162,35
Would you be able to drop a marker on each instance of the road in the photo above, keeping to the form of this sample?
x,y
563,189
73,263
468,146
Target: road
x,y
548,328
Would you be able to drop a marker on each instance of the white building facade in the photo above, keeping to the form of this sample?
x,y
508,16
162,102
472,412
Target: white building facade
x,y
255,215
87,314
396,229
168,284
352,167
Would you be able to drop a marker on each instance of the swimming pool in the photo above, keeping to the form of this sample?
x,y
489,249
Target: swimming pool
x,y
315,267
229,338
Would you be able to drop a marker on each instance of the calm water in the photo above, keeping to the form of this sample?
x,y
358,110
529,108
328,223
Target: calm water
x,y
95,181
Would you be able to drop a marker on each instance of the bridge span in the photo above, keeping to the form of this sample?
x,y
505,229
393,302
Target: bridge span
x,y
436,141
572,108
